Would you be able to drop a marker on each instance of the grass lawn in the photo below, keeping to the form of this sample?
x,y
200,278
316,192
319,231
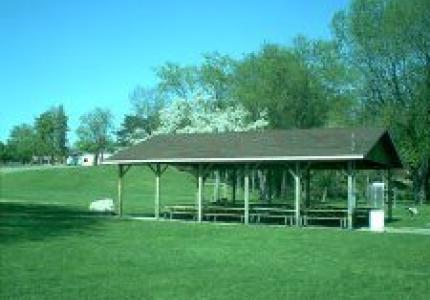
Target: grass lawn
x,y
49,252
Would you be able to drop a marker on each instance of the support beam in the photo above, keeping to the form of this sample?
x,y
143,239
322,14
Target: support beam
x,y
200,194
252,180
120,188
297,194
225,185
216,186
246,195
351,193
157,191
389,195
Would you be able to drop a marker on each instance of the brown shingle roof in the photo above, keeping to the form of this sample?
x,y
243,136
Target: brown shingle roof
x,y
298,144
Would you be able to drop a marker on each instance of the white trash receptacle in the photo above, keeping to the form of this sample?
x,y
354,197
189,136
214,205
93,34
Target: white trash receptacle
x,y
377,220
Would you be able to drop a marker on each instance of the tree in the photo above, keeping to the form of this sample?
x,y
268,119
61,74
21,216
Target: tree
x,y
95,132
335,76
202,115
21,143
60,133
177,81
388,42
133,129
211,79
51,132
45,131
215,77
276,79
4,152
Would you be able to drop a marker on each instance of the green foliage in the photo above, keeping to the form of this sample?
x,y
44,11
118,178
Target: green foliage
x,y
3,152
277,79
21,144
335,76
177,81
134,129
95,132
51,133
388,42
215,76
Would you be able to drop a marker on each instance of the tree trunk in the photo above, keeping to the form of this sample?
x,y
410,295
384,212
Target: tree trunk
x,y
96,158
262,186
420,182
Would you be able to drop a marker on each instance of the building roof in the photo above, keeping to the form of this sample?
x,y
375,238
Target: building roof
x,y
369,147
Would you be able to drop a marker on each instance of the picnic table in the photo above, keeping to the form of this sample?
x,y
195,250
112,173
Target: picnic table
x,y
338,214
182,210
259,213
215,212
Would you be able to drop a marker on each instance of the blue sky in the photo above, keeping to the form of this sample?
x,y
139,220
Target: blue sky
x,y
85,53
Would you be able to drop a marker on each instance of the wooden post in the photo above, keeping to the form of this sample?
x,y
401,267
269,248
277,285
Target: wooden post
x,y
351,194
297,193
200,194
120,187
389,195
216,186
157,191
269,181
246,195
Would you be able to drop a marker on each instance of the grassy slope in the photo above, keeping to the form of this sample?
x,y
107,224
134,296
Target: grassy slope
x,y
79,186
62,256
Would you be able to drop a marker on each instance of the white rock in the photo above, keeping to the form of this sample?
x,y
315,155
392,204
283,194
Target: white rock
x,y
103,205
413,211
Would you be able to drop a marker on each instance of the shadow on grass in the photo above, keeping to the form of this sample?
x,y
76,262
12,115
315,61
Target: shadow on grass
x,y
35,222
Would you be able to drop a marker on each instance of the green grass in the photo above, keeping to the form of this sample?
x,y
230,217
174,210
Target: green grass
x,y
64,257
79,186
48,251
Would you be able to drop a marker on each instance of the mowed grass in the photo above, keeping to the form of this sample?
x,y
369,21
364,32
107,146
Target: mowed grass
x,y
50,250
78,186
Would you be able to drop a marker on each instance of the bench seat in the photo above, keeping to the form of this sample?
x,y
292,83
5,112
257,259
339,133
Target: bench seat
x,y
342,219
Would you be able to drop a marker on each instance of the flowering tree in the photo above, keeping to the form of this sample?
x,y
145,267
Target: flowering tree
x,y
202,115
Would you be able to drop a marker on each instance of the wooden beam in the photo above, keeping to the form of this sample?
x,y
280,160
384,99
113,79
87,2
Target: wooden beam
x,y
234,179
246,194
351,193
120,187
157,191
216,186
389,195
297,195
200,194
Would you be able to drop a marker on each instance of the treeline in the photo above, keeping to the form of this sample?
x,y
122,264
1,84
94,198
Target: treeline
x,y
375,71
45,139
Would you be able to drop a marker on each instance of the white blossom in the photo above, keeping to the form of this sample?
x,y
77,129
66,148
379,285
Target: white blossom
x,y
201,115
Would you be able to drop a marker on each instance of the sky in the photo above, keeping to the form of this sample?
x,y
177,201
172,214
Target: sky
x,y
89,53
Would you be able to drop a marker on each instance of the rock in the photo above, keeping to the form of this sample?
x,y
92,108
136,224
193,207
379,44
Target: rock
x,y
103,205
413,211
